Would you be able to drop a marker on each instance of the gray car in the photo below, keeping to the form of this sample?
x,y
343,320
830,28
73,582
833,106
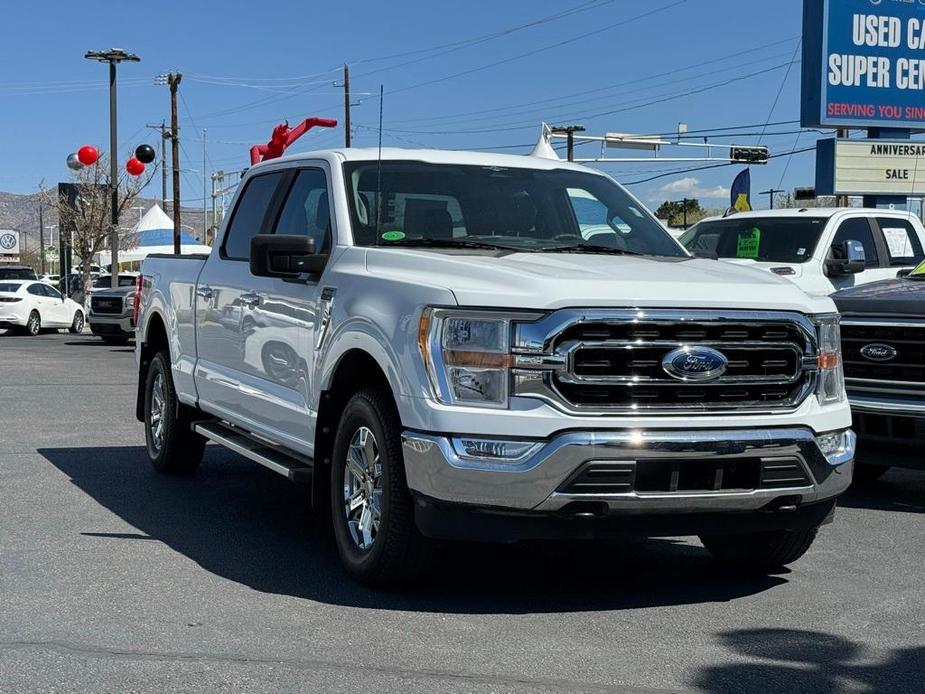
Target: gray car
x,y
883,343
111,315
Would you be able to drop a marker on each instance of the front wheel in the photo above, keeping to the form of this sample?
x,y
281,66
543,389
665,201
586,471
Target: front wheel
x,y
765,551
172,446
371,507
77,325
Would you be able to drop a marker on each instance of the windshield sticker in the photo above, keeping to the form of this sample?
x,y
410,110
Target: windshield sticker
x,y
393,236
899,243
801,252
919,271
748,243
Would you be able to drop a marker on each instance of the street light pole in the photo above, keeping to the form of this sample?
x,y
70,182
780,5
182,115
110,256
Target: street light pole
x,y
113,56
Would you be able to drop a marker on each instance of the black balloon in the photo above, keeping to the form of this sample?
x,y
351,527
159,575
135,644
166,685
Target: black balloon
x,y
145,154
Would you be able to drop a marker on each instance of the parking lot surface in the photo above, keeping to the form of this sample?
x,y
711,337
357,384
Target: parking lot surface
x,y
115,579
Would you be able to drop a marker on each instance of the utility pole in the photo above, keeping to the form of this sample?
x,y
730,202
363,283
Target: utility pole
x,y
41,238
164,137
172,80
771,193
113,56
205,226
842,200
569,131
346,105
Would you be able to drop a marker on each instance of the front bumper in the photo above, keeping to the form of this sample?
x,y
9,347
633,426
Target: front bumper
x,y
542,482
890,430
111,325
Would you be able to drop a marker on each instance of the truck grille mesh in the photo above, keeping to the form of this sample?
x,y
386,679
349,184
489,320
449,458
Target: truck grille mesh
x,y
908,366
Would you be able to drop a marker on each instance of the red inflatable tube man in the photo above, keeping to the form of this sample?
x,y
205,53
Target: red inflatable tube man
x,y
283,136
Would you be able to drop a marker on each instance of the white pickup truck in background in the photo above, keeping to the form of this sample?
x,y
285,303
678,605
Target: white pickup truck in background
x,y
496,348
818,249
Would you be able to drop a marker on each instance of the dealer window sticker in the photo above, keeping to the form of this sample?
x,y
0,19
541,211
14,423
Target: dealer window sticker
x,y
899,243
748,243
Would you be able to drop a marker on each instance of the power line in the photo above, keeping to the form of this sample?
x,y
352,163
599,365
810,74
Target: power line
x,y
783,84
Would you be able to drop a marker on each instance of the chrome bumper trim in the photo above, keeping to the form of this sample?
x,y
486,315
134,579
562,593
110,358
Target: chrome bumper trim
x,y
881,405
435,470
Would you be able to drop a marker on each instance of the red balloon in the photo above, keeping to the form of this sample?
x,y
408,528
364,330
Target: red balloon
x,y
88,155
134,167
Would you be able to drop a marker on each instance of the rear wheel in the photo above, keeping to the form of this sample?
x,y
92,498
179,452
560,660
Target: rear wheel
x,y
764,551
77,325
868,474
172,446
371,507
33,324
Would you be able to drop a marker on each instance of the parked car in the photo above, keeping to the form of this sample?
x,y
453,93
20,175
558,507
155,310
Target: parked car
x,y
434,342
50,279
111,314
883,342
31,306
818,249
16,272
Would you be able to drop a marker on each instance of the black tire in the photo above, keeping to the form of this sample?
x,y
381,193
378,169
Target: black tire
x,y
398,552
766,551
173,449
868,474
33,324
115,340
77,325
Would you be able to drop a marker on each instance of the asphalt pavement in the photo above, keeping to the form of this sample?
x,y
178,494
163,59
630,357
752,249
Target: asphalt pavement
x,y
115,579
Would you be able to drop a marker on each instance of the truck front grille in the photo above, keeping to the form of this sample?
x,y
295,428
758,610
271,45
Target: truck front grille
x,y
897,369
676,476
607,361
106,304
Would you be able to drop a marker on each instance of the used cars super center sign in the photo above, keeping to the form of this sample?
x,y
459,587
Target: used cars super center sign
x,y
864,63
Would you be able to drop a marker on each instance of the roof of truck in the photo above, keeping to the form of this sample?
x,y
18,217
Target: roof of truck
x,y
816,212
434,156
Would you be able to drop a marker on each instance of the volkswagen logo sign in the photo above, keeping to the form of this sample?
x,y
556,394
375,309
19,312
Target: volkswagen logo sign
x,y
695,364
7,241
879,352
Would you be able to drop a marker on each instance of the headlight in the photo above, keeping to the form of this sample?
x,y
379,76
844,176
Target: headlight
x,y
467,354
831,386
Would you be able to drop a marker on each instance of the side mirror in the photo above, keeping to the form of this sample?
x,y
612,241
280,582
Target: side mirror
x,y
846,258
284,255
904,273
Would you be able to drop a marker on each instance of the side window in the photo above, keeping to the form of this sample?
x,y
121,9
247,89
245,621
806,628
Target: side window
x,y
901,241
858,229
307,211
52,292
36,289
249,215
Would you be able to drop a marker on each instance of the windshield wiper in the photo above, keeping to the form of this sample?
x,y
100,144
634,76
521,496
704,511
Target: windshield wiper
x,y
587,248
447,243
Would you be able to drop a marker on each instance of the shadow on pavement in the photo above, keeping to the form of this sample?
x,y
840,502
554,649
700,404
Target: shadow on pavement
x,y
810,662
247,524
898,490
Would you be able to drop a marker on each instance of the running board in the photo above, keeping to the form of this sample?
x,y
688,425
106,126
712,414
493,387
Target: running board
x,y
296,468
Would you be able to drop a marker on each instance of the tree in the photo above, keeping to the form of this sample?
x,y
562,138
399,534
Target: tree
x,y
89,219
673,211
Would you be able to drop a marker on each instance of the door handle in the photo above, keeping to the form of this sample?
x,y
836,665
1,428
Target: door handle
x,y
250,299
204,292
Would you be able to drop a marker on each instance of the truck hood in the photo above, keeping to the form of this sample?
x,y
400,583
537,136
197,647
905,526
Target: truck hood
x,y
899,297
558,280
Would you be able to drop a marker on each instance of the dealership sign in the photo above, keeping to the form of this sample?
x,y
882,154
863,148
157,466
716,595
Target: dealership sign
x,y
9,244
864,63
870,167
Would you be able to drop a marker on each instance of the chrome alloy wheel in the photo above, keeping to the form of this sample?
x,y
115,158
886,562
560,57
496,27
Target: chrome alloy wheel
x,y
78,322
35,324
363,488
158,410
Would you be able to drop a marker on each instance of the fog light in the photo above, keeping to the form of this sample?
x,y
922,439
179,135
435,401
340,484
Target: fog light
x,y
837,446
494,450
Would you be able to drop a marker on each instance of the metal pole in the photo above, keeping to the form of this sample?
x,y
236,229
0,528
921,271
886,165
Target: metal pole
x,y
174,82
163,163
346,105
41,238
205,226
113,177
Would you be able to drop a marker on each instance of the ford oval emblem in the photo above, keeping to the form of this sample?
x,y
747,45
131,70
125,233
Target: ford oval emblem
x,y
695,364
879,352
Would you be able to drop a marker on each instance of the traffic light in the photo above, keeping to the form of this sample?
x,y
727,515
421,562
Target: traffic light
x,y
750,155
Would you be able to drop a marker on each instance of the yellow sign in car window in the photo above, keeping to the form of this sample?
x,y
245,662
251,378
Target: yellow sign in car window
x,y
919,271
748,243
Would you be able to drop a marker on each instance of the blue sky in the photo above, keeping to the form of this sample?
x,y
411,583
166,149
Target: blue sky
x,y
247,66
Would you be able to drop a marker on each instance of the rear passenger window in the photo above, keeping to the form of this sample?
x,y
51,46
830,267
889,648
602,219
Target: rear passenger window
x,y
307,211
901,241
249,215
858,229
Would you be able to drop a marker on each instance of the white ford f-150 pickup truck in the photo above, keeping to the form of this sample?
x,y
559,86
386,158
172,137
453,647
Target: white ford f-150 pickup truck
x,y
490,347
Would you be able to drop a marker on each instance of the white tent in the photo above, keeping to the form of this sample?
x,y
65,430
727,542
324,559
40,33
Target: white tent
x,y
154,234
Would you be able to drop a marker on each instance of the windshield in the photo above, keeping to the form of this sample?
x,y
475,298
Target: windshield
x,y
16,273
450,205
767,240
106,282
